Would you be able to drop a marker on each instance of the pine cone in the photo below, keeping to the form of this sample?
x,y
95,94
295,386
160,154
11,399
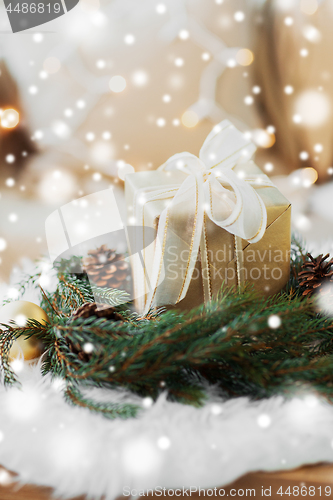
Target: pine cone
x,y
107,269
88,310
316,272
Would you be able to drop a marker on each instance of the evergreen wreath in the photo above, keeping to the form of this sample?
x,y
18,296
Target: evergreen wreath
x,y
227,344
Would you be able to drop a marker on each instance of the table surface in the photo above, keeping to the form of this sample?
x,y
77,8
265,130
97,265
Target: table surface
x,y
262,484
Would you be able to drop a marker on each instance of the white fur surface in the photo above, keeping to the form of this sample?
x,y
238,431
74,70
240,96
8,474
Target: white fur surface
x,y
48,442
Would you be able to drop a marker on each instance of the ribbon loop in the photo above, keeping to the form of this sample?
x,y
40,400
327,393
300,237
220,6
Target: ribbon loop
x,y
225,146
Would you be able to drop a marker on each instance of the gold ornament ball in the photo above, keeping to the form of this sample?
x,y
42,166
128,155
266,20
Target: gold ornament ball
x,y
20,311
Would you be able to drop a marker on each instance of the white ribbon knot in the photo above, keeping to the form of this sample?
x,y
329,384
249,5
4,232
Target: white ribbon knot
x,y
211,189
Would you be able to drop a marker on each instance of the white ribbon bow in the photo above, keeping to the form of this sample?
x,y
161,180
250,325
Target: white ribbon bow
x,y
211,189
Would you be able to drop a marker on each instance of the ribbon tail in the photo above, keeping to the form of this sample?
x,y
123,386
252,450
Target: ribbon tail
x,y
177,245
140,254
239,261
205,264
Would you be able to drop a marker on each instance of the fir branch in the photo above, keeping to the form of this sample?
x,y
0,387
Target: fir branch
x,y
30,280
227,343
297,256
109,410
8,335
8,377
110,296
72,292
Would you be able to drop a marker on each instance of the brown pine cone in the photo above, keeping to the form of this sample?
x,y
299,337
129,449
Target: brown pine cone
x,y
315,273
107,268
90,309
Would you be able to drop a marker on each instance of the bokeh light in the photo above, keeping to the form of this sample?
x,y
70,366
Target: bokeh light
x,y
313,108
106,135
3,244
10,158
90,136
286,5
190,119
80,104
268,167
100,64
117,83
231,63
56,186
13,217
324,299
184,35
5,477
248,100
61,129
10,118
304,155
309,7
310,175
140,78
97,177
160,122
244,57
163,442
179,62
38,37
312,34
304,177
264,421
263,138
161,8
102,152
33,90
10,182
289,89
129,39
302,222
239,16
274,321
288,21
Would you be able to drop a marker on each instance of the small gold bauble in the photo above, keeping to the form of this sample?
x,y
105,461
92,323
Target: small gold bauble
x,y
20,311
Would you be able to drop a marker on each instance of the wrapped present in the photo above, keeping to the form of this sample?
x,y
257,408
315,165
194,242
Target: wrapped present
x,y
218,219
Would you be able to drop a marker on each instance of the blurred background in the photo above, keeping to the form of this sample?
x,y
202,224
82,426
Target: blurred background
x,y
120,81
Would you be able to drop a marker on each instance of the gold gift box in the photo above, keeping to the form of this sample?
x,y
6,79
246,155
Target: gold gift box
x,y
265,264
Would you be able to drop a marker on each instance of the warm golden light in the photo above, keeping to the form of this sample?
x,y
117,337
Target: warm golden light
x,y
263,138
309,7
310,175
304,177
244,57
190,119
9,118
